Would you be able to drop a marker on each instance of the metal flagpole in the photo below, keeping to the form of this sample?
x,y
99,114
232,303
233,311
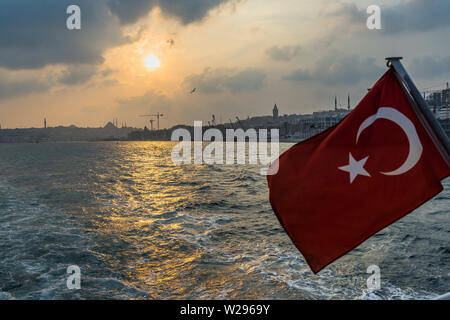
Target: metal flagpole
x,y
438,134
443,141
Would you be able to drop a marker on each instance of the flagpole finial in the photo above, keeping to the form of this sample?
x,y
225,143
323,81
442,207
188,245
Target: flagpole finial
x,y
390,59
439,136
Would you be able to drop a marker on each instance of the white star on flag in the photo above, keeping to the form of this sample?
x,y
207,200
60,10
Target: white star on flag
x,y
355,168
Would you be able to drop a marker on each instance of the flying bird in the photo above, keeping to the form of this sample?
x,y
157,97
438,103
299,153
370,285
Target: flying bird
x,y
193,90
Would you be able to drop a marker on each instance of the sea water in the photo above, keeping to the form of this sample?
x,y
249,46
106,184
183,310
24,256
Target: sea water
x,y
140,227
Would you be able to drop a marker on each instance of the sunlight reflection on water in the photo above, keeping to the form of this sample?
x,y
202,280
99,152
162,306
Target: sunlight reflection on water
x,y
141,227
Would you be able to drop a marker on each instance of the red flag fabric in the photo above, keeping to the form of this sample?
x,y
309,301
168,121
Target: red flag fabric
x,y
337,189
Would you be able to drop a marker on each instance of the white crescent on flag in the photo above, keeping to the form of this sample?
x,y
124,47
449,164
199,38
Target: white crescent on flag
x,y
415,146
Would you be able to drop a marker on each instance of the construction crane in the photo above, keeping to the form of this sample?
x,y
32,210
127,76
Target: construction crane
x,y
151,124
157,116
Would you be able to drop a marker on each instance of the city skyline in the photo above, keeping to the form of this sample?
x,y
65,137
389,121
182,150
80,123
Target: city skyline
x,y
132,58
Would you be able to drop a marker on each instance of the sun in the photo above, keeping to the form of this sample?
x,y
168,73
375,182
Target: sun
x,y
152,62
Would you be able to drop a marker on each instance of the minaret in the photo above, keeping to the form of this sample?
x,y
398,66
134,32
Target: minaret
x,y
45,123
348,101
335,103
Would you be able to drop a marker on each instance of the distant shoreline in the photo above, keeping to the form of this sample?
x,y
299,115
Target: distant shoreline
x,y
122,140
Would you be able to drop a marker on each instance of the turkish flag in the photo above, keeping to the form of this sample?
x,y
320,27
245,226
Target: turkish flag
x,y
340,187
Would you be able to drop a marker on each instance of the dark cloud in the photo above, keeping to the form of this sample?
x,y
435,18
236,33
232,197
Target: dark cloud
x,y
417,15
337,68
21,83
225,80
409,16
33,34
285,53
13,87
186,11
77,74
430,67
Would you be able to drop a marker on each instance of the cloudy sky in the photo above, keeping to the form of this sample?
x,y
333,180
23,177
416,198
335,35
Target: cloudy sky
x,y
241,55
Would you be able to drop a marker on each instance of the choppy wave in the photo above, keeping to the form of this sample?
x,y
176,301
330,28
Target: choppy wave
x,y
140,227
